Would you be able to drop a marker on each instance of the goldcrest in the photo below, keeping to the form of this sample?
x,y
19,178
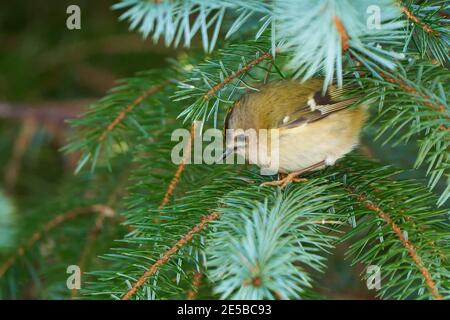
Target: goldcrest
x,y
315,128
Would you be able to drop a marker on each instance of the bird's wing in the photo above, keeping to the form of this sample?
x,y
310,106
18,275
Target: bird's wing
x,y
317,107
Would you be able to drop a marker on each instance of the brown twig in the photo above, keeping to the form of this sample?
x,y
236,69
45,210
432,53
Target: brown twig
x,y
21,143
169,253
427,100
91,238
417,21
52,112
420,228
176,178
99,224
130,108
444,14
342,32
181,166
70,215
192,293
241,71
406,243
51,116
173,184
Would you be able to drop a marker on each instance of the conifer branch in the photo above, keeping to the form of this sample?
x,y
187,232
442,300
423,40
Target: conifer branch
x,y
244,69
427,101
342,32
189,17
173,184
169,253
51,112
406,243
70,215
222,79
176,178
428,30
417,21
413,104
90,240
21,143
108,128
99,225
193,292
264,237
321,36
413,258
152,90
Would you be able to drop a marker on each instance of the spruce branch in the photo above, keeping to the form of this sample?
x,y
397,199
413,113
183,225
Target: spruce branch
x,y
427,31
342,33
129,109
266,239
87,250
45,261
49,113
176,178
114,122
21,144
407,237
428,101
98,225
169,253
193,292
217,82
67,216
406,243
322,36
337,27
171,20
151,239
413,103
417,21
242,70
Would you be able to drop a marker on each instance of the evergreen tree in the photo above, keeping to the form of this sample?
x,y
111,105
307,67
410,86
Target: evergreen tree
x,y
211,231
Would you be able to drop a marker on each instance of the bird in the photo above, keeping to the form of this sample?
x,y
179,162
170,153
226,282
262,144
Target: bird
x,y
315,127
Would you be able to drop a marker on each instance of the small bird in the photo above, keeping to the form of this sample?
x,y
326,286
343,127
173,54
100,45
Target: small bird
x,y
315,128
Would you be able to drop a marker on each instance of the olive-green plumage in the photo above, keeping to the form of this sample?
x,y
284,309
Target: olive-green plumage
x,y
313,127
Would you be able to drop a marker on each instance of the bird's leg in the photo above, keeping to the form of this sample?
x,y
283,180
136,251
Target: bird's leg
x,y
282,176
293,176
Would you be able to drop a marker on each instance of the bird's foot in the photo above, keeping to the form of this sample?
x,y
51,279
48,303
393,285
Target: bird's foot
x,y
283,182
294,176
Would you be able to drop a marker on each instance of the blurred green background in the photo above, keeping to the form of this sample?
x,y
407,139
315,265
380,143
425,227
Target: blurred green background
x,y
49,73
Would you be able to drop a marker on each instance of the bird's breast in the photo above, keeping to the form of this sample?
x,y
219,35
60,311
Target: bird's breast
x,y
303,146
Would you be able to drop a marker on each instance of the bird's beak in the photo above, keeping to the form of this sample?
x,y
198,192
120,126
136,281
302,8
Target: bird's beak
x,y
224,155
